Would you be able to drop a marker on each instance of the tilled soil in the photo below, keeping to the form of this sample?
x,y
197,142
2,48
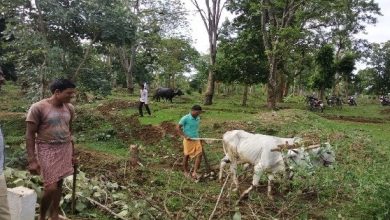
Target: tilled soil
x,y
130,128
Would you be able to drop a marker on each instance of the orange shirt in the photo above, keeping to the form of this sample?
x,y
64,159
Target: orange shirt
x,y
53,122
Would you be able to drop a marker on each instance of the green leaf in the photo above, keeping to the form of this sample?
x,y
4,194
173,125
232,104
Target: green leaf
x,y
18,182
80,206
123,213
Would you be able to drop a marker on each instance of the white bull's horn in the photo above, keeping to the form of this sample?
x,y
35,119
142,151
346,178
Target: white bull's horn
x,y
313,146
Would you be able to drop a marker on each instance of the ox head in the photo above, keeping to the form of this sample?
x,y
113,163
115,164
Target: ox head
x,y
178,92
323,155
298,158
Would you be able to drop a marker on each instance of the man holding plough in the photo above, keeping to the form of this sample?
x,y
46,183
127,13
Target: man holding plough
x,y
188,128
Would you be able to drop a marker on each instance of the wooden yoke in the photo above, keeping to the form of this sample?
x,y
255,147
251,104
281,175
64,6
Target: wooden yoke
x,y
313,146
285,146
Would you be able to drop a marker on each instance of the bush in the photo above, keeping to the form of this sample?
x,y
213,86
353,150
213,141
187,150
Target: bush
x,y
294,99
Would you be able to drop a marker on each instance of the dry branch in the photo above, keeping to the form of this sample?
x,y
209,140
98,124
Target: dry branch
x,y
219,197
104,207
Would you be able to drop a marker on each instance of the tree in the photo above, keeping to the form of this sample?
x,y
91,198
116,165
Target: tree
x,y
211,20
155,19
56,38
241,56
380,61
285,23
175,56
345,67
364,81
7,66
324,76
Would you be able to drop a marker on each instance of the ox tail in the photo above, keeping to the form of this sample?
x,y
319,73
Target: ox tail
x,y
224,146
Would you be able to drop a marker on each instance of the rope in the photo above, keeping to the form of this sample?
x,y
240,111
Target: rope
x,y
206,139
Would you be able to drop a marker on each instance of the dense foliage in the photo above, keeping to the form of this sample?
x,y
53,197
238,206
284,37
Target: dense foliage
x,y
106,44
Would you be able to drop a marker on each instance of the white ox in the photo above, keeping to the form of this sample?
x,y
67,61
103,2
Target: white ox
x,y
243,147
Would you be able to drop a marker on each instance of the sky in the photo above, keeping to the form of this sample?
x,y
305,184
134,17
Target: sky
x,y
378,33
198,30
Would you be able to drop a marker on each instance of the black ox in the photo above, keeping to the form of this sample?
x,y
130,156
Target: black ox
x,y
167,94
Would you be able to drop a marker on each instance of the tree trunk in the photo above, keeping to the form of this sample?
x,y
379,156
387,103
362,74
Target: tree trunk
x,y
110,71
134,156
245,95
130,75
281,83
126,66
210,80
43,86
271,24
173,81
210,19
77,72
271,85
322,93
346,88
286,88
42,29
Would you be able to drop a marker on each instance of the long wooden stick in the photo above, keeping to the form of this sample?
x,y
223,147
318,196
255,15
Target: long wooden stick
x,y
104,207
74,188
206,139
313,146
206,161
219,197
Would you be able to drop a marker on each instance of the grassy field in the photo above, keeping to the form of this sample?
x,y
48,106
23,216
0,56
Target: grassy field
x,y
358,187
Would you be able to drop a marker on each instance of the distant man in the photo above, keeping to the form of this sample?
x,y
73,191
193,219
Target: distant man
x,y
50,145
4,209
143,100
188,128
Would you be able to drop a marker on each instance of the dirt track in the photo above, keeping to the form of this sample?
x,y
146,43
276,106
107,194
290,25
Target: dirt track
x,y
354,119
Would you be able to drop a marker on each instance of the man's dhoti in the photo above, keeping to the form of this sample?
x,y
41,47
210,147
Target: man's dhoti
x,y
55,161
192,147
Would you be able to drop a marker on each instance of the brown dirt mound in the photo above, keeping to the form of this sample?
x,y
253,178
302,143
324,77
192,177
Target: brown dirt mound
x,y
385,111
233,126
109,167
169,128
96,163
124,126
354,119
115,105
149,134
129,129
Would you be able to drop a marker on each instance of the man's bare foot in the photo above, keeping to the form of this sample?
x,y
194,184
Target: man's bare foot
x,y
187,175
196,176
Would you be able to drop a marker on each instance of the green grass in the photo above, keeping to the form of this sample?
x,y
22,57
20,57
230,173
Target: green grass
x,y
113,147
12,99
358,188
366,111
